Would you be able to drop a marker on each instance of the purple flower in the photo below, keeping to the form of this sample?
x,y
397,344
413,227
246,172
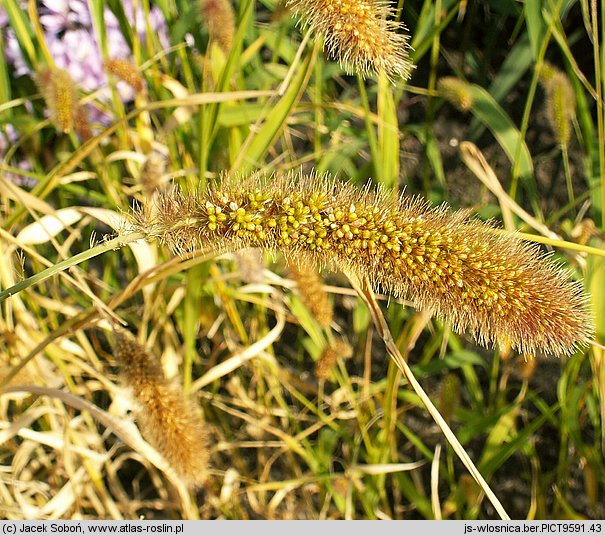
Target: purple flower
x,y
72,42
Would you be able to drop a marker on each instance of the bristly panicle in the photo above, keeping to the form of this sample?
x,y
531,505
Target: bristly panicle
x,y
360,34
170,424
126,71
560,102
501,289
339,350
456,91
60,95
219,18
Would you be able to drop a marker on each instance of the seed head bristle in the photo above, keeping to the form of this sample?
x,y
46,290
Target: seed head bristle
x,y
167,421
126,71
310,288
219,18
360,34
60,95
501,289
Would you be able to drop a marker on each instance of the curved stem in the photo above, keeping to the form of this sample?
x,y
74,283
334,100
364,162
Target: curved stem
x,y
364,289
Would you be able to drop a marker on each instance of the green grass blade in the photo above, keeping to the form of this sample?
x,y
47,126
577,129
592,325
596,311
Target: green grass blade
x,y
536,28
276,118
19,22
388,134
489,112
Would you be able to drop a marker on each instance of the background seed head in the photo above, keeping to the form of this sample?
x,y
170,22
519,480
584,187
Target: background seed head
x,y
167,421
360,34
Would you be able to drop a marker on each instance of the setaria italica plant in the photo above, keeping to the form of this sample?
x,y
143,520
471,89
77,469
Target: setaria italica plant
x,y
499,288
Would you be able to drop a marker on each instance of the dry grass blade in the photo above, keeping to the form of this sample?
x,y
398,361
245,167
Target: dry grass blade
x,y
435,483
364,288
237,360
476,162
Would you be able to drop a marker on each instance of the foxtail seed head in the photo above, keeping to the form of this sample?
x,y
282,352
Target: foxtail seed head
x,y
560,102
60,95
498,287
339,350
310,288
169,423
81,124
219,18
151,173
126,71
456,91
360,34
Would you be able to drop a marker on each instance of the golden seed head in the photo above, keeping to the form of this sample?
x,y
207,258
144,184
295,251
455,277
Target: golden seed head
x,y
81,124
219,18
126,71
501,289
167,421
360,34
310,288
339,350
151,173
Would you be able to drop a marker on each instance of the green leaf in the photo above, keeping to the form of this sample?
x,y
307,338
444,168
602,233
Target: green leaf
x,y
517,62
19,22
489,112
275,119
536,27
501,449
97,12
5,88
388,134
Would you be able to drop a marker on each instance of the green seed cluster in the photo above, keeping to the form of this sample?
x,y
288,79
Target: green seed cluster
x,y
499,288
457,92
560,102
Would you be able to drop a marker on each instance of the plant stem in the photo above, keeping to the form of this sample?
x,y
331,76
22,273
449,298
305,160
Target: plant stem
x,y
113,244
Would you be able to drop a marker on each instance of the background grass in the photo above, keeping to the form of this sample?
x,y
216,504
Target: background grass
x,y
237,335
